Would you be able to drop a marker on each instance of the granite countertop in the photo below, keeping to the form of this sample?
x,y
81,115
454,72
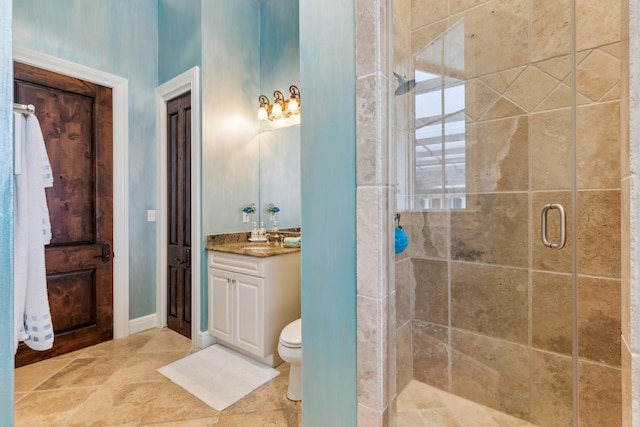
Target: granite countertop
x,y
238,243
257,249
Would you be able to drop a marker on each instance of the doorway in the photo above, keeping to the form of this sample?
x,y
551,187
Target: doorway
x,y
75,117
187,82
179,214
120,102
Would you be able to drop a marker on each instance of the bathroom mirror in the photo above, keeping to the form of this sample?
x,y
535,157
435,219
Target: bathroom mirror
x,y
280,176
279,140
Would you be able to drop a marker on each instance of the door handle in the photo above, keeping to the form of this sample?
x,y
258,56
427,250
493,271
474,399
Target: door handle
x,y
106,253
543,226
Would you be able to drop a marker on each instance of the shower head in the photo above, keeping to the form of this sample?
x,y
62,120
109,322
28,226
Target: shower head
x,y
405,85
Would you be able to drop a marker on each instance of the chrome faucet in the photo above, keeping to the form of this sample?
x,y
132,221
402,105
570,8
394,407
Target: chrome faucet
x,y
278,238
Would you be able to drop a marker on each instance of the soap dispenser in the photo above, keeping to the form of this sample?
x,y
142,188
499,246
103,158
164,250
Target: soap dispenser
x,y
263,231
254,232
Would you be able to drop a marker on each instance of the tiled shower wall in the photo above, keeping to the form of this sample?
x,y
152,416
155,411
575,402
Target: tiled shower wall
x,y
483,309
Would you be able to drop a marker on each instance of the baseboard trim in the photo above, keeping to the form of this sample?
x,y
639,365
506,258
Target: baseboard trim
x,y
143,323
204,340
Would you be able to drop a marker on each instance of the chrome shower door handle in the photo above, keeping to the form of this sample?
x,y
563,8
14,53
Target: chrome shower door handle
x,y
543,226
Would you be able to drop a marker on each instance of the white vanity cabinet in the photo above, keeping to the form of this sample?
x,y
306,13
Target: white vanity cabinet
x,y
251,299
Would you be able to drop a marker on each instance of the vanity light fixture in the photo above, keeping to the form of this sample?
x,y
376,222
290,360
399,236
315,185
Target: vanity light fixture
x,y
281,107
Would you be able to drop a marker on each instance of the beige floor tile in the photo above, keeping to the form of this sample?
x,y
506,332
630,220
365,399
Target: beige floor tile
x,y
28,377
259,419
171,402
440,418
409,418
49,408
420,396
166,340
84,372
122,346
143,367
117,383
201,422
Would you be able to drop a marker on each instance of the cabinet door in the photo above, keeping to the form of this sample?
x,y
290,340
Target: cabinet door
x,y
248,313
221,304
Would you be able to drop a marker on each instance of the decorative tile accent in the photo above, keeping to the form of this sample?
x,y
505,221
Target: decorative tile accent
x,y
501,80
478,98
597,74
503,108
520,91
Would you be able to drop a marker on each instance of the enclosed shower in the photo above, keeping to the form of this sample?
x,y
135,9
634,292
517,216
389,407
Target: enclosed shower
x,y
505,117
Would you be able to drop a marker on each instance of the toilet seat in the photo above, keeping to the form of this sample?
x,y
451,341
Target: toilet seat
x,y
291,335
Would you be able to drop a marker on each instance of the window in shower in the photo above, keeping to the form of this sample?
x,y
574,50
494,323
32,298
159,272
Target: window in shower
x,y
439,157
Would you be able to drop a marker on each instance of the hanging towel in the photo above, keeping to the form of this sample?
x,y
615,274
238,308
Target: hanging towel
x,y
32,231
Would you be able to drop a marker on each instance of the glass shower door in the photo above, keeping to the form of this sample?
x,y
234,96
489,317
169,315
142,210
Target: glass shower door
x,y
508,177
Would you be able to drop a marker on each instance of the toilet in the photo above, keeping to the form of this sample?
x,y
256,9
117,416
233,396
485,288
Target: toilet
x,y
290,350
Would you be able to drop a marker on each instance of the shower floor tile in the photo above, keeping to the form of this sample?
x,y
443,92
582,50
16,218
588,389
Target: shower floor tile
x,y
420,404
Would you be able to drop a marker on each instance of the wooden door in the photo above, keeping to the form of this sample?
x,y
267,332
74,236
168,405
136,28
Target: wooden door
x,y
76,121
179,214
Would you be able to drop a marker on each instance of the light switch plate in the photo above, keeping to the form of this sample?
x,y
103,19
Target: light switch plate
x,y
151,215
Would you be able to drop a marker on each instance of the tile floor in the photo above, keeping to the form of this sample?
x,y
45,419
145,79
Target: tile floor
x,y
422,405
116,383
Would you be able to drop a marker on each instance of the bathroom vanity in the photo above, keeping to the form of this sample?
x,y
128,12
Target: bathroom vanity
x,y
254,292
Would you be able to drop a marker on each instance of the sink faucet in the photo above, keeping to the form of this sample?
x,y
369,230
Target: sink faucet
x,y
278,238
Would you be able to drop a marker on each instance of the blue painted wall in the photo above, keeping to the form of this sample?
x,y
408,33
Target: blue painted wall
x,y
120,38
230,146
230,87
100,34
179,37
6,217
327,56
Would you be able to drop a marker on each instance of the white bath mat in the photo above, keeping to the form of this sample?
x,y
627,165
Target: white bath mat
x,y
218,376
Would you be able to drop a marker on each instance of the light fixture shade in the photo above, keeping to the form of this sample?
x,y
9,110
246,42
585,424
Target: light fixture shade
x,y
292,106
276,111
262,113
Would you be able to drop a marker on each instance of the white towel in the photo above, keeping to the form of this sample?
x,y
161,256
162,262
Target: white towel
x,y
32,230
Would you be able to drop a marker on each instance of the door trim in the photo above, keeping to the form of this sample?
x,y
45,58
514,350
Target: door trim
x,y
120,88
185,82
